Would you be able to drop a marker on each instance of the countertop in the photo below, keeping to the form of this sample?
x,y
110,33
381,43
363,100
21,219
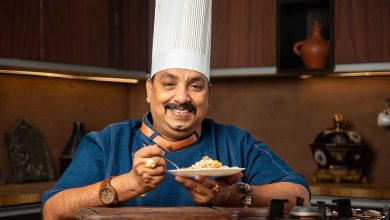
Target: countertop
x,y
351,190
16,194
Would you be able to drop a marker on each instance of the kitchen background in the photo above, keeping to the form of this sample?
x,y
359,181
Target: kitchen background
x,y
286,111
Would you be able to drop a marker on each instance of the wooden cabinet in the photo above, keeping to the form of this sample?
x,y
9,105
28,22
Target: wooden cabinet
x,y
118,33
362,31
104,33
135,40
20,29
243,33
78,32
357,30
295,20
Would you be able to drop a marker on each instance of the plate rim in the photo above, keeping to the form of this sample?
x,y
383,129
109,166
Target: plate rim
x,y
178,171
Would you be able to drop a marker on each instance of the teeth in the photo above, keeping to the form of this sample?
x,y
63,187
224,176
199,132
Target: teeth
x,y
180,111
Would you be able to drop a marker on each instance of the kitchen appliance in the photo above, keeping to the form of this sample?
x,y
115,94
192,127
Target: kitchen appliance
x,y
384,116
338,209
339,154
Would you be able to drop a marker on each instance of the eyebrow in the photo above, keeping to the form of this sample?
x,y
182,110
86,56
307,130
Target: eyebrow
x,y
169,75
197,79
173,76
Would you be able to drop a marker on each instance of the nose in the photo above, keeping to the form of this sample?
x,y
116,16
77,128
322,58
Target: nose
x,y
182,95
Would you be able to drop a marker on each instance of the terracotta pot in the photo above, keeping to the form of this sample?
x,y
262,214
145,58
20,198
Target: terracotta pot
x,y
314,50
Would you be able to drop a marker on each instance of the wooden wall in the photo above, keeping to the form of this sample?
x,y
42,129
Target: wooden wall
x,y
52,105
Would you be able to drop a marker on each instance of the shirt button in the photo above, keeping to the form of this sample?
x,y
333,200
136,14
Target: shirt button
x,y
170,147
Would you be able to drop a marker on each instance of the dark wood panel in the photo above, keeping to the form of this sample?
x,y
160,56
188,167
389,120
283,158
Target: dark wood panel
x,y
362,32
20,29
135,34
52,105
243,33
78,31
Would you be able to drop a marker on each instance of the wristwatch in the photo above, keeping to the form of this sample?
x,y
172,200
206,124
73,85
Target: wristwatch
x,y
107,193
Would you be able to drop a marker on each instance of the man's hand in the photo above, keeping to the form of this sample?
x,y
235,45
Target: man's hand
x,y
145,173
206,191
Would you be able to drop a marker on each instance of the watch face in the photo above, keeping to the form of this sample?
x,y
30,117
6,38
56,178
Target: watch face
x,y
107,195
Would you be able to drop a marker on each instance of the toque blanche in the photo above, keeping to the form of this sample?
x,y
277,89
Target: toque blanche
x,y
182,36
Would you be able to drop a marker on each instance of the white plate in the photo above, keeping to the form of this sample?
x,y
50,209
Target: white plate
x,y
206,171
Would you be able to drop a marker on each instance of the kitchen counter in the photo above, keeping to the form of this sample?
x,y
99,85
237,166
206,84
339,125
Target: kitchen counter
x,y
182,213
350,190
16,194
361,195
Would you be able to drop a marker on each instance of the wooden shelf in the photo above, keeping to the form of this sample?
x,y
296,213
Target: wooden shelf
x,y
294,21
350,190
16,194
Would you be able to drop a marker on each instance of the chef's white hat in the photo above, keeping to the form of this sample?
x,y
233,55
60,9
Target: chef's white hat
x,y
181,37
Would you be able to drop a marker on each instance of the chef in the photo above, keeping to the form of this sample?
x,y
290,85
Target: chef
x,y
125,163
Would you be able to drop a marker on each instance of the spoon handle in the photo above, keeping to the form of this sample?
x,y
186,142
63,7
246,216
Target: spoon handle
x,y
177,167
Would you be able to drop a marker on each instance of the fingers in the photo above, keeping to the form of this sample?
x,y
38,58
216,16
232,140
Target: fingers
x,y
207,183
144,162
149,158
148,168
153,162
151,180
149,151
200,185
188,183
207,191
232,179
201,189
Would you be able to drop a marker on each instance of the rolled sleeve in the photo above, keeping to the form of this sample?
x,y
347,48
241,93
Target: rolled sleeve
x,y
264,166
86,167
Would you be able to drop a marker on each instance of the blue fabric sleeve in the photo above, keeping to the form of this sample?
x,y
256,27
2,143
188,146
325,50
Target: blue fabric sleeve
x,y
263,166
86,167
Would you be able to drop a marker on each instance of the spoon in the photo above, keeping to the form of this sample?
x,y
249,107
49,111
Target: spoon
x,y
176,166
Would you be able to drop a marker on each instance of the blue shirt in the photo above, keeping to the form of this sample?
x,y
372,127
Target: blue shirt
x,y
109,153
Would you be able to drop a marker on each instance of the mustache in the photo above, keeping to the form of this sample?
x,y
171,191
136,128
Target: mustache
x,y
180,106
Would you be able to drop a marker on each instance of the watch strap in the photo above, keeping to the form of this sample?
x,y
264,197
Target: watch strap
x,y
104,184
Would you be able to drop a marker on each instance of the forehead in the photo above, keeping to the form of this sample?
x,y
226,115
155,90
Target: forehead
x,y
180,74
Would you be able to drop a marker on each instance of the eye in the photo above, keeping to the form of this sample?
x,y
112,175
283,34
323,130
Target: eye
x,y
168,84
196,86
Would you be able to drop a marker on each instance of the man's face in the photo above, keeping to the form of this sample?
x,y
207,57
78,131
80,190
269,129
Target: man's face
x,y
179,100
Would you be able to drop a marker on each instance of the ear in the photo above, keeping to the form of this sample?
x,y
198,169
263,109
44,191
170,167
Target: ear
x,y
148,89
209,101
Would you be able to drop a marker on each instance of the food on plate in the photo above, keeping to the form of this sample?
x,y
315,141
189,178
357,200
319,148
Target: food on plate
x,y
206,162
206,167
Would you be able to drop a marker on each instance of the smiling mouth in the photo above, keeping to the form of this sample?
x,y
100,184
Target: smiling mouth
x,y
181,113
180,110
